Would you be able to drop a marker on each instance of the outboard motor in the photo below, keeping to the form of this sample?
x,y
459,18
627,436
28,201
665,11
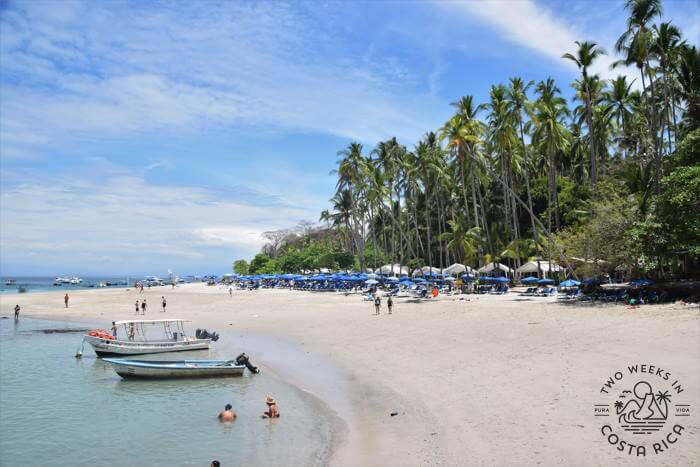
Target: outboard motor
x,y
243,359
204,334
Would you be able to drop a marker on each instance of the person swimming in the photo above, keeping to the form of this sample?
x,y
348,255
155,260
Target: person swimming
x,y
272,409
228,415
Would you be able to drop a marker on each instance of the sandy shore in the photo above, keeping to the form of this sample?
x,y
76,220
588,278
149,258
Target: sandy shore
x,y
489,380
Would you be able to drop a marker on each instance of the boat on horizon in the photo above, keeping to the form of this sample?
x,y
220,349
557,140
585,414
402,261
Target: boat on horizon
x,y
175,369
138,343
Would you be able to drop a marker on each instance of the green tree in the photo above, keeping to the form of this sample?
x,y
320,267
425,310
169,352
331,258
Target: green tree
x,y
240,266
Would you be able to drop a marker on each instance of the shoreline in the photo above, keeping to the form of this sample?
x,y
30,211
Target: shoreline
x,y
487,380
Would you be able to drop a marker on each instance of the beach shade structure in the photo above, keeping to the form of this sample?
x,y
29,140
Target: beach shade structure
x,y
501,280
529,280
467,277
538,267
393,269
641,282
425,270
569,283
545,281
450,279
406,282
371,282
419,279
493,267
455,268
392,279
371,275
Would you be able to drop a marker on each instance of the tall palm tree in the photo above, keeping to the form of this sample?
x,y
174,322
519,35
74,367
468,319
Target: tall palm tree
x,y
635,43
665,48
585,56
619,97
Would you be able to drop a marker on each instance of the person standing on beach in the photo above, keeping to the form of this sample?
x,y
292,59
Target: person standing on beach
x,y
230,291
137,307
114,329
164,303
143,307
17,312
65,300
390,304
377,303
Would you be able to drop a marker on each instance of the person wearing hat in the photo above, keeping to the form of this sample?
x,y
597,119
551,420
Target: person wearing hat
x,y
228,415
272,409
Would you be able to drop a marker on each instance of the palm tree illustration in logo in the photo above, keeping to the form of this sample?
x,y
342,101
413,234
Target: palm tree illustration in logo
x,y
644,412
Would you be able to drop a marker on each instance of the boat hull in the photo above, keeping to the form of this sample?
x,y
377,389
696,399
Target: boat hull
x,y
145,369
109,347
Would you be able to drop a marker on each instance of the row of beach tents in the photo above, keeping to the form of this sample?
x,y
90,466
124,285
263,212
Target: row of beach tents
x,y
543,268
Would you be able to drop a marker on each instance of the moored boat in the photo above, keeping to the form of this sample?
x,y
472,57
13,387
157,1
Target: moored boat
x,y
175,369
138,343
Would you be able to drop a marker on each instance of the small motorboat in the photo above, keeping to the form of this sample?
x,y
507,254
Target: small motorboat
x,y
137,342
174,369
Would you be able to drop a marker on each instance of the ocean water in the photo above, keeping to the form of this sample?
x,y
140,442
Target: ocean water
x,y
44,284
59,410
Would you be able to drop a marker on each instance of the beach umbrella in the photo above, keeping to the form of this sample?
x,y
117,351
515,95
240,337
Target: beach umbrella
x,y
371,282
501,280
419,279
528,280
569,283
406,282
545,281
392,279
450,279
467,277
371,275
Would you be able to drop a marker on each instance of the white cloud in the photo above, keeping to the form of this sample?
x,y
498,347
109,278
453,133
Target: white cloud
x,y
106,70
532,25
101,219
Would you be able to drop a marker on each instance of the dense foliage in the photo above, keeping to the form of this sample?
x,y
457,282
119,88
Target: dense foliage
x,y
609,181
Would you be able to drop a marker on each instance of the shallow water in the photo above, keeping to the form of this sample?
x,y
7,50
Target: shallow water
x,y
58,410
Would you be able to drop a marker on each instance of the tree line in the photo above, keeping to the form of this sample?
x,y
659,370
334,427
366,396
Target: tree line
x,y
609,181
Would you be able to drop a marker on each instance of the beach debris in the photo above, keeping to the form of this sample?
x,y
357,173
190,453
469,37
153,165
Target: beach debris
x,y
394,414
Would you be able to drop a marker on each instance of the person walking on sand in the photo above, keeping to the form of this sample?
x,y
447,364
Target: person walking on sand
x,y
17,312
230,291
228,415
143,307
137,307
65,300
377,304
272,409
164,303
390,304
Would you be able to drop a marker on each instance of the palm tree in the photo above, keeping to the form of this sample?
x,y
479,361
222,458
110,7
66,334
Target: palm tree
x,y
585,56
619,97
551,137
635,44
665,48
517,95
464,241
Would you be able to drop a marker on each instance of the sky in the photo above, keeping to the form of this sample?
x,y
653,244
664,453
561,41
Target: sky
x,y
137,137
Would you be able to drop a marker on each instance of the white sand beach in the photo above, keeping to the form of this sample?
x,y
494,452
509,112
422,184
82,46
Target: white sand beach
x,y
475,380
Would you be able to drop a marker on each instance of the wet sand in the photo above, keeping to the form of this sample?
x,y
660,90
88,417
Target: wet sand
x,y
489,380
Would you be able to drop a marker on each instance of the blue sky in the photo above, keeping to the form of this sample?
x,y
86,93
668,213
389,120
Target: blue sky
x,y
137,137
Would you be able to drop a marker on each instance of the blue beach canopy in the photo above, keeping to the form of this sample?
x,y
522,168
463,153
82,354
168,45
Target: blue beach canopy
x,y
545,281
641,282
569,283
501,280
528,280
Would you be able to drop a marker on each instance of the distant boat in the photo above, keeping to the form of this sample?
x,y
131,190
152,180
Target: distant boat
x,y
10,281
175,369
176,339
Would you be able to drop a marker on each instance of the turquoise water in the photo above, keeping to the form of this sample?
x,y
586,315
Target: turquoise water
x,y
45,284
59,410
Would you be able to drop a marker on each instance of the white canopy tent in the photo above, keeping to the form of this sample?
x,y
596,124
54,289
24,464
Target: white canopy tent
x,y
424,269
494,266
458,268
393,269
534,267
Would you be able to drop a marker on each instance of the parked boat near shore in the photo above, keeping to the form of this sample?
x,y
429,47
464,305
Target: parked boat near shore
x,y
175,369
137,343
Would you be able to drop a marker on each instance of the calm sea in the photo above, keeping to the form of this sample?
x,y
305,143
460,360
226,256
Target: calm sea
x,y
59,410
43,284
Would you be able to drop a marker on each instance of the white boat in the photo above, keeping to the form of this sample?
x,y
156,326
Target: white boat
x,y
137,343
175,369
